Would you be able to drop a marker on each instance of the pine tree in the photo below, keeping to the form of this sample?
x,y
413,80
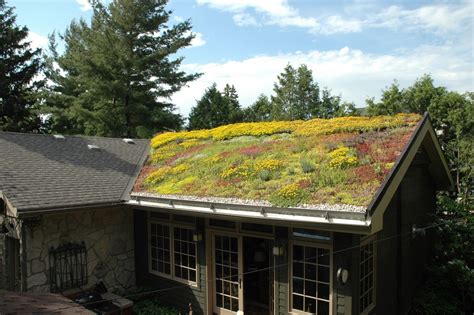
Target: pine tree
x,y
296,95
19,64
232,98
117,74
260,110
210,111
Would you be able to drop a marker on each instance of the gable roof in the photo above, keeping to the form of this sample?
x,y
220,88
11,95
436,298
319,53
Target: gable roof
x,y
39,172
324,169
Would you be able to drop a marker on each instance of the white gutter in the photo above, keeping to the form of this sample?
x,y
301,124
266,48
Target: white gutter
x,y
334,218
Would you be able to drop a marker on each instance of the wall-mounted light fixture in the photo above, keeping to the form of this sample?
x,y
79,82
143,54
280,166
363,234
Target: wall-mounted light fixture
x,y
342,275
197,236
278,250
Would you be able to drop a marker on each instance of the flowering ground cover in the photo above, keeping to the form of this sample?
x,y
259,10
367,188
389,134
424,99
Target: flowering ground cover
x,y
334,161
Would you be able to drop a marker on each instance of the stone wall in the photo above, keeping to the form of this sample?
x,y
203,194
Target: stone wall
x,y
3,267
108,235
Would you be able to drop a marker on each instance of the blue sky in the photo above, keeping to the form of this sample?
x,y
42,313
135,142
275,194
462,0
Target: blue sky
x,y
356,48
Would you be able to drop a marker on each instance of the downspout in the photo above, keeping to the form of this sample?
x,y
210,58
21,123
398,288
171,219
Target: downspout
x,y
23,257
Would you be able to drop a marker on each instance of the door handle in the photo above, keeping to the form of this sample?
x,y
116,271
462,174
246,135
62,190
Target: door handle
x,y
240,283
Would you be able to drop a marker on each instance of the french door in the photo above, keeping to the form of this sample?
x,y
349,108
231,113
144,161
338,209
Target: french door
x,y
227,280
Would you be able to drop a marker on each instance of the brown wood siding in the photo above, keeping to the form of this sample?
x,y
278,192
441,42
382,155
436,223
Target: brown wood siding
x,y
401,260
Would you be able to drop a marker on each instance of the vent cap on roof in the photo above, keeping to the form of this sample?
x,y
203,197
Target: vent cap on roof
x,y
93,147
128,140
59,137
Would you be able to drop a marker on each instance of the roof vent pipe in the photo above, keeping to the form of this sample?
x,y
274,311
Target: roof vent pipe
x,y
128,140
93,147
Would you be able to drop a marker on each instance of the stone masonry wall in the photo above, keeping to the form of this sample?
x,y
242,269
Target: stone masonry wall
x,y
108,235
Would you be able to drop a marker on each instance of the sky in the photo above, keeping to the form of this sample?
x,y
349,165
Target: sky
x,y
356,48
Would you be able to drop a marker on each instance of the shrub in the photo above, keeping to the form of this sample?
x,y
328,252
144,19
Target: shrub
x,y
307,166
265,175
152,307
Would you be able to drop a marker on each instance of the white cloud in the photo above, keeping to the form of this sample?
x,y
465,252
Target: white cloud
x,y
245,19
439,18
337,24
198,40
352,73
85,5
36,40
275,12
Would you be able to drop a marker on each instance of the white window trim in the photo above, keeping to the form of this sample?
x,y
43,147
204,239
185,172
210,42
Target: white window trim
x,y
172,276
318,244
365,241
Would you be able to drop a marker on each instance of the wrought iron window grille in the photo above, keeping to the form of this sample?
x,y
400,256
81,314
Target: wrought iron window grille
x,y
67,266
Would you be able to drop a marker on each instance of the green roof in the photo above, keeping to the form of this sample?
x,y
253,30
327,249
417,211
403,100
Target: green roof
x,y
291,163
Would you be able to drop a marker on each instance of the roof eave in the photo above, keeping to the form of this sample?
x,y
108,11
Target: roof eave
x,y
28,212
344,221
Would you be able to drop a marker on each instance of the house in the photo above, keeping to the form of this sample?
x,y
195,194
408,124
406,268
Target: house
x,y
311,217
62,202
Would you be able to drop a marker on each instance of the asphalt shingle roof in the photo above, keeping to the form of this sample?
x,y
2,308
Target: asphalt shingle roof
x,y
40,171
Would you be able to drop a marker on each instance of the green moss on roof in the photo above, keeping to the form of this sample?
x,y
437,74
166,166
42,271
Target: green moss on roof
x,y
289,163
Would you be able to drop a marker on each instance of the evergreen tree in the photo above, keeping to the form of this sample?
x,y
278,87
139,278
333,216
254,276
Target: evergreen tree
x,y
232,98
308,101
19,64
286,92
116,75
260,110
330,105
216,108
210,111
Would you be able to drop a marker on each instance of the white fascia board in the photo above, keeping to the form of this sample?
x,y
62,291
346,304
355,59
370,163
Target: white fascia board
x,y
333,218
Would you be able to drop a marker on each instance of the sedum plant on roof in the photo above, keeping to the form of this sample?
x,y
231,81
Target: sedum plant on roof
x,y
287,163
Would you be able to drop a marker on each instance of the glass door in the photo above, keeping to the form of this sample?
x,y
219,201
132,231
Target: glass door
x,y
228,293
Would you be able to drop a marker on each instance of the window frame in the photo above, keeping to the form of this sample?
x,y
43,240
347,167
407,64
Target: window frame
x,y
172,225
363,242
317,244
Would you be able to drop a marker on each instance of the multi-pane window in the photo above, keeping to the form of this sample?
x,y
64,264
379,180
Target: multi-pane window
x,y
173,252
311,279
184,254
367,276
227,272
160,248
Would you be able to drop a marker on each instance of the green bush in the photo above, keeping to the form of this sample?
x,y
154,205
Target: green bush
x,y
265,175
152,306
307,166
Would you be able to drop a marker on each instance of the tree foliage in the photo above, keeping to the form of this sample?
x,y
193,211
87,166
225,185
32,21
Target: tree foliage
x,y
260,110
19,66
117,74
298,96
216,108
450,279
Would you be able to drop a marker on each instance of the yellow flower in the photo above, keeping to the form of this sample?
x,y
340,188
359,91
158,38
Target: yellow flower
x,y
235,171
157,176
302,128
268,165
289,191
179,169
341,158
